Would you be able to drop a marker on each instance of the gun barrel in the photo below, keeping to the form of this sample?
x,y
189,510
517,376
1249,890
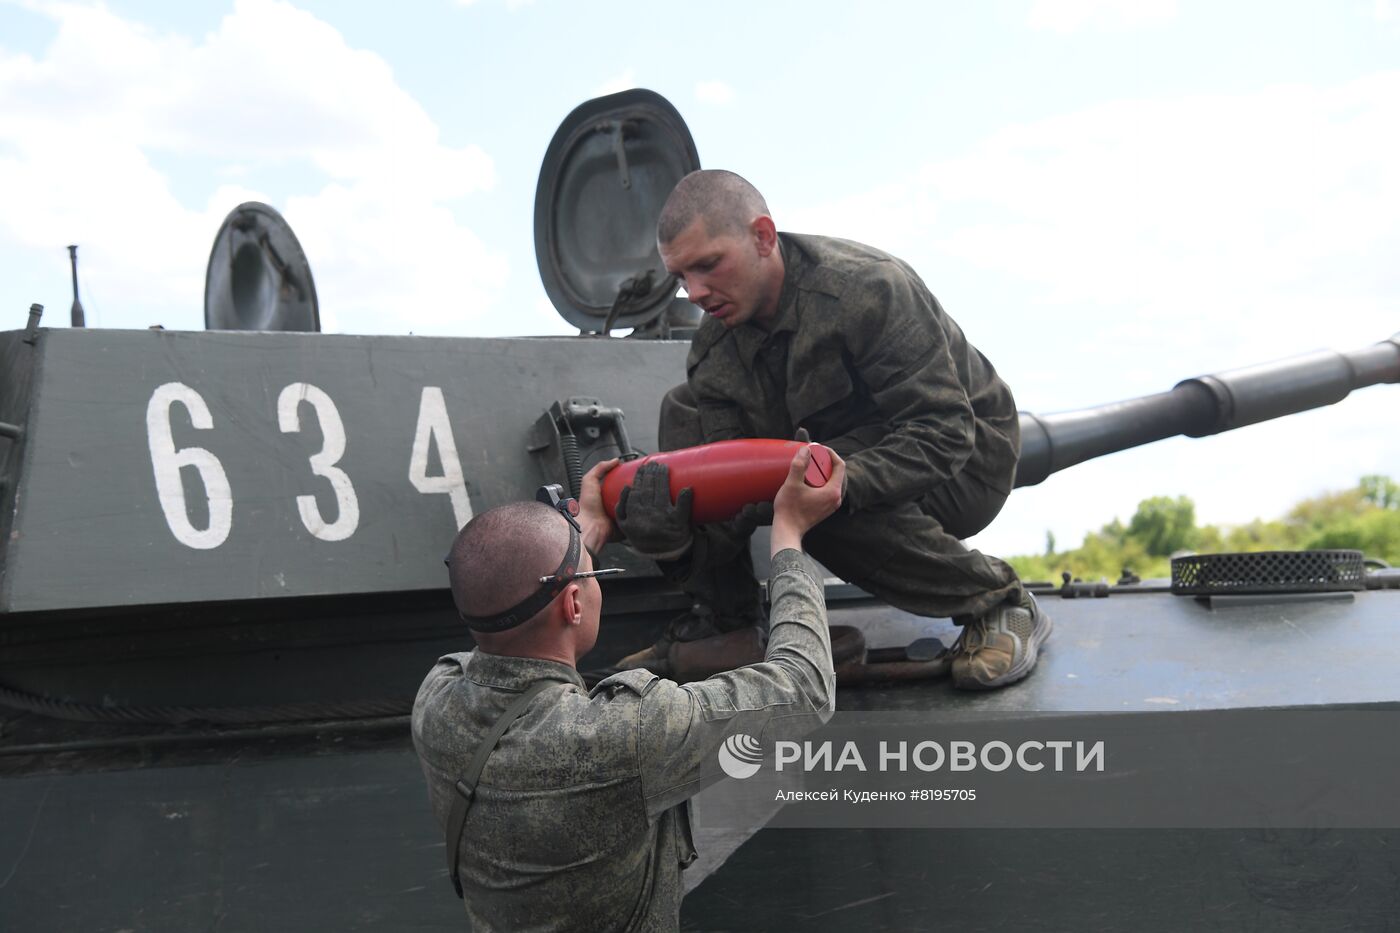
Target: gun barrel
x,y
1202,406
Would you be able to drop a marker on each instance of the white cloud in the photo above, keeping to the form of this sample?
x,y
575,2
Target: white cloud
x,y
1384,11
271,86
1148,241
1239,217
1250,212
1074,15
714,92
617,83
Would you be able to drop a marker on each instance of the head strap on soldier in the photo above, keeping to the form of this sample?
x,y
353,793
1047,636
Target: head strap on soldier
x,y
552,584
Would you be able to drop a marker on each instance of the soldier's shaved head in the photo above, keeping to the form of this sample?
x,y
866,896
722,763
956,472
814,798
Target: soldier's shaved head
x,y
499,557
723,200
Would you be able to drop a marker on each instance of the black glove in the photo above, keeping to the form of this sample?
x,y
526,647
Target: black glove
x,y
802,437
654,527
753,515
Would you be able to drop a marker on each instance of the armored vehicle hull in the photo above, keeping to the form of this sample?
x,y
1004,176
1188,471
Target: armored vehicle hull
x,y
207,662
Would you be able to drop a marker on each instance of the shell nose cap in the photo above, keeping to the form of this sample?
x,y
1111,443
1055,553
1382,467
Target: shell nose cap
x,y
819,468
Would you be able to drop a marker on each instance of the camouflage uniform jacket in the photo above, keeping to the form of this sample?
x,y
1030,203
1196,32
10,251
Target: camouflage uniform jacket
x,y
864,357
581,819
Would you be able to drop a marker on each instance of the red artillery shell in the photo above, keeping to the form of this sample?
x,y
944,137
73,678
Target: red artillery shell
x,y
725,475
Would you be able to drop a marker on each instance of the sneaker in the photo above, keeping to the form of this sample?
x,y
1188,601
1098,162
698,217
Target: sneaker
x,y
1000,647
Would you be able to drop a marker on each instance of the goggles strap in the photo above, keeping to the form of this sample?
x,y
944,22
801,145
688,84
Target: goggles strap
x,y
527,607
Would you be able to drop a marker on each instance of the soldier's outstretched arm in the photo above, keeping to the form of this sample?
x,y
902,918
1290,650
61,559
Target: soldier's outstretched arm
x,y
792,691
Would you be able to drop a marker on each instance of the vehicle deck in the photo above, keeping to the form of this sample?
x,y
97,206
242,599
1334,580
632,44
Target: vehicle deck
x,y
180,827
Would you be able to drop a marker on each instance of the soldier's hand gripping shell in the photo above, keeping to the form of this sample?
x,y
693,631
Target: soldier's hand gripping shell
x,y
654,526
798,507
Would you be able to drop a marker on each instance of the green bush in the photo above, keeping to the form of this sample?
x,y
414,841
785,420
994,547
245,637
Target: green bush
x,y
1366,518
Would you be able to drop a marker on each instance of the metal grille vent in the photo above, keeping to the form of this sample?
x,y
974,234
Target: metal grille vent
x,y
1268,572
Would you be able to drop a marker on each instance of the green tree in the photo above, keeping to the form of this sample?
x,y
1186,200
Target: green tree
x,y
1366,517
1260,535
1163,525
1328,509
1381,491
1375,534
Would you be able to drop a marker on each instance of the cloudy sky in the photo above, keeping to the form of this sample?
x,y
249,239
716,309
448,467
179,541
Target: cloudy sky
x,y
1108,195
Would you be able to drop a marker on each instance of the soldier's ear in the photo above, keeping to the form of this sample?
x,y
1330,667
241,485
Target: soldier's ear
x,y
765,234
573,606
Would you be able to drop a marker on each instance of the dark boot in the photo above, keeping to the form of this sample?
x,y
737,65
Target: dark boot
x,y
694,646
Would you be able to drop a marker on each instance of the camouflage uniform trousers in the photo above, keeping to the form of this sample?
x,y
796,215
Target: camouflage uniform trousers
x,y
907,554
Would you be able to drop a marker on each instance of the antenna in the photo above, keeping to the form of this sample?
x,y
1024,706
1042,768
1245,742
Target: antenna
x,y
79,320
